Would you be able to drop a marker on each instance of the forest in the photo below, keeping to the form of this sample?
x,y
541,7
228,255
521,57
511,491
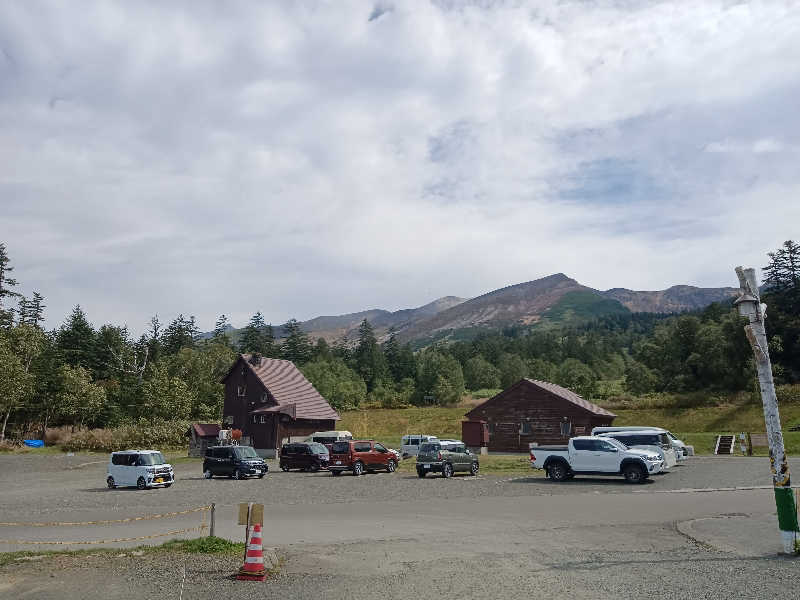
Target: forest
x,y
83,375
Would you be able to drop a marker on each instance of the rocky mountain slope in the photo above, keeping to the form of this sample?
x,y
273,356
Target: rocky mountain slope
x,y
555,298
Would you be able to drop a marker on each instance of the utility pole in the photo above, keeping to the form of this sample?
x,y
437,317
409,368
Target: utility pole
x,y
749,305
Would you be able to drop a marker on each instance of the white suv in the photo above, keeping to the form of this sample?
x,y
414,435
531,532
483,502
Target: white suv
x,y
141,468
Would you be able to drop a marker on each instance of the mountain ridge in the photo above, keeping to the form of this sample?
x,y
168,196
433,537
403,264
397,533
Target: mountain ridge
x,y
556,297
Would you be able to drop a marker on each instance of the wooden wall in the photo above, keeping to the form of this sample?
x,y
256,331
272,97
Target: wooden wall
x,y
524,406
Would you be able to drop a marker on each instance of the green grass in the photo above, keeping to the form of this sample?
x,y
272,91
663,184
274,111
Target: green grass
x,y
581,306
203,545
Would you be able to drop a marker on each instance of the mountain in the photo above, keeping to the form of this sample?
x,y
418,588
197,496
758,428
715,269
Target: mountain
x,y
334,327
554,299
678,298
550,300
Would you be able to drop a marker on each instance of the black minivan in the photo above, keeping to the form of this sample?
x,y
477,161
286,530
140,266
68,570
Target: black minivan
x,y
234,461
306,456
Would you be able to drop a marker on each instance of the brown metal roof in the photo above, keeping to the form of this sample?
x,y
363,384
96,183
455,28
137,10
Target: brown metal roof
x,y
288,386
206,429
571,396
557,390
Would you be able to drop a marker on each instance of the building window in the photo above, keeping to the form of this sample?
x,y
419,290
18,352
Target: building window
x,y
580,430
264,397
491,428
263,418
241,391
566,428
526,428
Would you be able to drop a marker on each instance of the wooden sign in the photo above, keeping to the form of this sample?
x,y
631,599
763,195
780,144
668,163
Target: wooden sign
x,y
256,513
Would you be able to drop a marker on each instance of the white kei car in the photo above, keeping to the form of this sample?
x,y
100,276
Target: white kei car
x,y
139,468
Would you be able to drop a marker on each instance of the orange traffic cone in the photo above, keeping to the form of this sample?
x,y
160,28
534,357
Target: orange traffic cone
x,y
253,568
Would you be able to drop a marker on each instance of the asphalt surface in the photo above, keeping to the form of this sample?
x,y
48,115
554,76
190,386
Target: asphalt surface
x,y
398,536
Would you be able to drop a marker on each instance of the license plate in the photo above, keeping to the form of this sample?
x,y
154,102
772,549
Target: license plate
x,y
338,462
159,479
426,466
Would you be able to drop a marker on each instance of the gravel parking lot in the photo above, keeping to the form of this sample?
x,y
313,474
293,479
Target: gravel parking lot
x,y
397,535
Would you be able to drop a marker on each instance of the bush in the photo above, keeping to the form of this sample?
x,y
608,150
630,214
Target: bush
x,y
788,394
169,434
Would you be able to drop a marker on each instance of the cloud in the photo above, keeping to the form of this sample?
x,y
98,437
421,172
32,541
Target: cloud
x,y
305,159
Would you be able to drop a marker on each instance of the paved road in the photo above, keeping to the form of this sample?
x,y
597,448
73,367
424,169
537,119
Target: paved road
x,y
397,536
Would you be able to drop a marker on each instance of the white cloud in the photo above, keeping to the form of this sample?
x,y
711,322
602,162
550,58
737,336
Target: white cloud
x,y
302,159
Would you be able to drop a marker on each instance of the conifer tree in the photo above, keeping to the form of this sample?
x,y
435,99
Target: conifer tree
x,y
257,337
6,283
296,347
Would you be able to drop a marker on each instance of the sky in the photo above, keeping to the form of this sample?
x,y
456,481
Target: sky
x,y
318,158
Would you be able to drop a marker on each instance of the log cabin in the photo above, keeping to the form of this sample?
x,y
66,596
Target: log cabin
x,y
539,412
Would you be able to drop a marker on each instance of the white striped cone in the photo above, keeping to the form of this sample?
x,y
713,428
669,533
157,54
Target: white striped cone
x,y
253,567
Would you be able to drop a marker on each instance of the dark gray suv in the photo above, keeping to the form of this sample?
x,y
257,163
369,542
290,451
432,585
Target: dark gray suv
x,y
446,458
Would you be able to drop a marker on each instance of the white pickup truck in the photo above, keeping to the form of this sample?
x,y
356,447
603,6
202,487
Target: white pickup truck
x,y
592,455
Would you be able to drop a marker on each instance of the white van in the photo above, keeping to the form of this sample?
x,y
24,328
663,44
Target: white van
x,y
328,437
647,439
682,451
140,468
410,443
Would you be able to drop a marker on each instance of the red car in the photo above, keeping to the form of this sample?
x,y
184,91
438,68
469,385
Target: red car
x,y
359,456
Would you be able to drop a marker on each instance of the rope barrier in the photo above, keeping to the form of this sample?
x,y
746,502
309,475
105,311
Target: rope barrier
x,y
110,521
92,542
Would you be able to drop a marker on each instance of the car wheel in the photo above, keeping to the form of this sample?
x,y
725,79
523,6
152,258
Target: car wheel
x,y
558,471
110,483
261,476
237,474
447,471
166,485
474,468
284,468
336,473
634,474
314,468
208,474
358,469
141,483
421,473
391,466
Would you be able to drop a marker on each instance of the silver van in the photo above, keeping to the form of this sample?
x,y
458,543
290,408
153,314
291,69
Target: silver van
x,y
647,439
410,443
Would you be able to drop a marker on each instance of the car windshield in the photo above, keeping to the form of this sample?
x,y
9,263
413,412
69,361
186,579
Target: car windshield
x,y
245,452
340,447
318,448
155,458
617,443
429,448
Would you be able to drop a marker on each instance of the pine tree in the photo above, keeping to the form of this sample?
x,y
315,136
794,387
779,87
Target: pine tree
x,y
391,350
221,328
153,339
6,283
257,337
181,333
783,271
369,358
296,347
77,341
31,311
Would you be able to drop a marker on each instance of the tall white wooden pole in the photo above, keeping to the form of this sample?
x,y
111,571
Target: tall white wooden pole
x,y
749,305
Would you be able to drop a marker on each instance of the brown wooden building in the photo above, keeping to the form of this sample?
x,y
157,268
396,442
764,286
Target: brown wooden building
x,y
272,402
537,411
201,436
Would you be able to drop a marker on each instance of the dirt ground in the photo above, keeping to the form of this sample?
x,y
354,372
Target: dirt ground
x,y
397,536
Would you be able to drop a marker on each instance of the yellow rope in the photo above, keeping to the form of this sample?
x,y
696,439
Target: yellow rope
x,y
130,539
110,521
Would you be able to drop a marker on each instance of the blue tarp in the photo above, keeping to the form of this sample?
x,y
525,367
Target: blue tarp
x,y
33,443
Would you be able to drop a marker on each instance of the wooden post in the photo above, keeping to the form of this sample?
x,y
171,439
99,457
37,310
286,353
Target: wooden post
x,y
749,305
213,519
